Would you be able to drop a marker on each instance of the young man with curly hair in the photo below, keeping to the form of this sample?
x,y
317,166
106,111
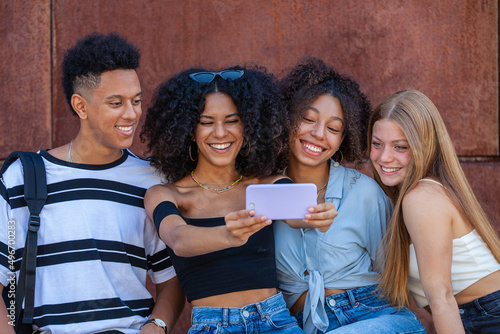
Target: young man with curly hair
x,y
95,243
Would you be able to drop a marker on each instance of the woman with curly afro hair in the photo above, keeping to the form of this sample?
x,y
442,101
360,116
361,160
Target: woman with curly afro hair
x,y
212,134
329,279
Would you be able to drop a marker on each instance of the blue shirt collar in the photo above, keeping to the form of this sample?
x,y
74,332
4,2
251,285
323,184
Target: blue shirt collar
x,y
334,188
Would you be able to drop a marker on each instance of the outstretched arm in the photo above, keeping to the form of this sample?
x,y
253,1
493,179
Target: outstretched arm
x,y
187,240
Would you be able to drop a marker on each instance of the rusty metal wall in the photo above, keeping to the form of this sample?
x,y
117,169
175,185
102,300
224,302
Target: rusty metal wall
x,y
25,76
447,49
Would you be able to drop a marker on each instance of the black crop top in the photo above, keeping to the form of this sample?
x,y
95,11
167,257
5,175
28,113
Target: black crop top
x,y
251,266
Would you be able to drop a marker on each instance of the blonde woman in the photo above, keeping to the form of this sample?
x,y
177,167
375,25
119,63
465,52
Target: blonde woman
x,y
441,248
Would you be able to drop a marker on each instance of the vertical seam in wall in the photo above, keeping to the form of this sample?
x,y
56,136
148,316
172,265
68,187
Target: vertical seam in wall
x,y
51,52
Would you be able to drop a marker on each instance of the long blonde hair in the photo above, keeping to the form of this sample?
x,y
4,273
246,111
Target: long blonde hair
x,y
433,155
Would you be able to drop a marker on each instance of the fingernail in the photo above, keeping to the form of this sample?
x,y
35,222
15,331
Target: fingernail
x,y
308,216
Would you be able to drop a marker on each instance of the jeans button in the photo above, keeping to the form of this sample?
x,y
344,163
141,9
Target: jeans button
x,y
461,311
246,314
332,302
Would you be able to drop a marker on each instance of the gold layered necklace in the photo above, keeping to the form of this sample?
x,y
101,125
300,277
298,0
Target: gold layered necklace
x,y
216,190
321,189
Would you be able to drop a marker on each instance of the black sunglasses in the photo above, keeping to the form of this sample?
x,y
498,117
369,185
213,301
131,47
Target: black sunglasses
x,y
206,77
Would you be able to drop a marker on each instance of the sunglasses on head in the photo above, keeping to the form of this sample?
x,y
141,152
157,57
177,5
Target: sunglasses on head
x,y
206,77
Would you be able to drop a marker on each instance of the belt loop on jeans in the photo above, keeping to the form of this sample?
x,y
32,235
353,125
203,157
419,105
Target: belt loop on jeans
x,y
478,306
225,316
352,300
261,311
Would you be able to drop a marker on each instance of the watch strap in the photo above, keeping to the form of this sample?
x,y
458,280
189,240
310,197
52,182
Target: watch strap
x,y
153,320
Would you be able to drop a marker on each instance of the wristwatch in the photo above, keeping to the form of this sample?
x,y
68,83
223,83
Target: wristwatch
x,y
158,322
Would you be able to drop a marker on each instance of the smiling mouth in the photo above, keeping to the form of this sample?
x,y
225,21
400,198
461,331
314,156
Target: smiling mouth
x,y
124,128
220,146
313,148
390,169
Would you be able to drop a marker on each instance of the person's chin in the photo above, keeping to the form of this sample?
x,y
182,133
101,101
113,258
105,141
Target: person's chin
x,y
312,160
127,144
391,181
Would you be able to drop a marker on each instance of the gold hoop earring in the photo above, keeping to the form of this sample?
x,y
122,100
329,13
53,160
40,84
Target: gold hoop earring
x,y
248,152
337,163
190,156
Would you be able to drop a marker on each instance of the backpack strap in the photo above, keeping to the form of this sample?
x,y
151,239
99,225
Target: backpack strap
x,y
35,195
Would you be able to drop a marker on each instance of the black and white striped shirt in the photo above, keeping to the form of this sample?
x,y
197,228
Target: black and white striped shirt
x,y
96,244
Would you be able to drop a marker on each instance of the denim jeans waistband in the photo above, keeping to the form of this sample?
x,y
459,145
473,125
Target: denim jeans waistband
x,y
351,296
228,315
477,304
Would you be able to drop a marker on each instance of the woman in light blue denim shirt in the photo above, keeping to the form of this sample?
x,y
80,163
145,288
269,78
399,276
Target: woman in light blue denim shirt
x,y
329,279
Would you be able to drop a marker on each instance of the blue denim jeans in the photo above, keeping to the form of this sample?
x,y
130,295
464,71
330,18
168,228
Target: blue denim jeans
x,y
363,310
268,316
482,315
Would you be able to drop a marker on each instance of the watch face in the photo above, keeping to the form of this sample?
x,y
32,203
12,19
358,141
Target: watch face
x,y
160,322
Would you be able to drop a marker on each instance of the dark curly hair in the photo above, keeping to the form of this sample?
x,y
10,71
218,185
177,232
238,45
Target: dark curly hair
x,y
93,55
175,112
312,78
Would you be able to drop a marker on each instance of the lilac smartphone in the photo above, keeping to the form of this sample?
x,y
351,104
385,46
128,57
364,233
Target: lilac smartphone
x,y
281,201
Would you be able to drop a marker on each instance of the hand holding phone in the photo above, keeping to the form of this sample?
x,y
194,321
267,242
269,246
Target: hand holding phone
x,y
240,226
